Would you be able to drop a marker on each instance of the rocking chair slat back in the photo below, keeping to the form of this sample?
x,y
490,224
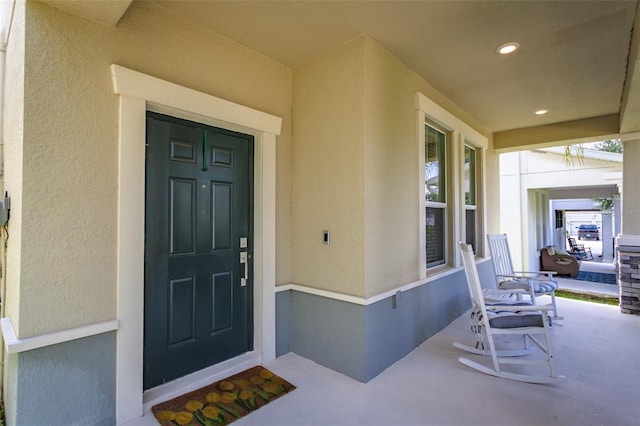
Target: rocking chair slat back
x,y
536,283
499,249
477,299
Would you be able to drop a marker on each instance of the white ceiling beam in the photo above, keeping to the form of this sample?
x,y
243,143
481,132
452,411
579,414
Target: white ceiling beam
x,y
556,134
586,192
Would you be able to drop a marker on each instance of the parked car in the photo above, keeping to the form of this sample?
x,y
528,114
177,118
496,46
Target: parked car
x,y
588,231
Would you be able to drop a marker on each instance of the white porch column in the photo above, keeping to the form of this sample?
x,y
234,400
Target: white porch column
x,y
617,216
607,236
628,242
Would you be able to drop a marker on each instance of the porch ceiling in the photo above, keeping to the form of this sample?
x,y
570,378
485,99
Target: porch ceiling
x,y
576,58
572,61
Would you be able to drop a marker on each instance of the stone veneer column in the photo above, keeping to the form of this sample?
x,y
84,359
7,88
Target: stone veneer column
x,y
629,279
628,242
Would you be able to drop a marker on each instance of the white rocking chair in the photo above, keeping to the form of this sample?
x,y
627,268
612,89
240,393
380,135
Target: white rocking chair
x,y
519,318
537,283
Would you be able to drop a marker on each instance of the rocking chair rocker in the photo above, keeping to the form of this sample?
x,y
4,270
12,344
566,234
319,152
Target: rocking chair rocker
x,y
520,318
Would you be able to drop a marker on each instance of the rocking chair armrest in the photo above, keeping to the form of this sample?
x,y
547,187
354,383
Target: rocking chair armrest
x,y
500,291
542,277
517,308
518,277
535,272
509,276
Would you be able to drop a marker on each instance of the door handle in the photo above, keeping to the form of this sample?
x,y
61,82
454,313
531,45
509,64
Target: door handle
x,y
244,271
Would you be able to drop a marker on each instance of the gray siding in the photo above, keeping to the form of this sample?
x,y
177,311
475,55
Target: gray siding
x,y
72,383
283,323
419,314
329,332
362,341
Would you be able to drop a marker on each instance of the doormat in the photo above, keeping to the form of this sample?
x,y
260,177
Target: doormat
x,y
597,277
222,402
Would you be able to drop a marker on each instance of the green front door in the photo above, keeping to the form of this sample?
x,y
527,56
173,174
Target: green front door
x,y
198,247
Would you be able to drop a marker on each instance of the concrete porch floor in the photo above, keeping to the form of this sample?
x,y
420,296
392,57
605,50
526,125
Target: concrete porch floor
x,y
596,347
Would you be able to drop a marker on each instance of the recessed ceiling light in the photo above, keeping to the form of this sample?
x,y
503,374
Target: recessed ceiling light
x,y
507,48
542,111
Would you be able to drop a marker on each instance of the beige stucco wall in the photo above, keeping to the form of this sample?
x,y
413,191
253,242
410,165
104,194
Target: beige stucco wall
x,y
491,191
68,226
353,168
392,185
328,176
356,169
391,172
631,192
13,112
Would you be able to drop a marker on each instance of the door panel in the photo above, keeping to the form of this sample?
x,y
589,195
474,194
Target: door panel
x,y
182,211
198,206
183,151
222,205
182,298
221,302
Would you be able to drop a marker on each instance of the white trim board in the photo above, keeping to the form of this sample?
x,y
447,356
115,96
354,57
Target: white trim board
x,y
357,300
14,345
138,94
153,90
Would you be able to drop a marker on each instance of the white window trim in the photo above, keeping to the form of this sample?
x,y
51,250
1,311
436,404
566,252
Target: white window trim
x,y
139,93
478,228
476,155
427,110
445,207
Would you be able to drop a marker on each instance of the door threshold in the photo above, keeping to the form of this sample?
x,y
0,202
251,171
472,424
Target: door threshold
x,y
198,379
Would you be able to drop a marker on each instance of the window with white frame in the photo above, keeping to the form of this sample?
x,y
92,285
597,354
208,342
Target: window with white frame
x,y
451,206
435,195
470,196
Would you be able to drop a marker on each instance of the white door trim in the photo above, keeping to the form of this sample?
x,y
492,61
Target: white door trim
x,y
138,93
